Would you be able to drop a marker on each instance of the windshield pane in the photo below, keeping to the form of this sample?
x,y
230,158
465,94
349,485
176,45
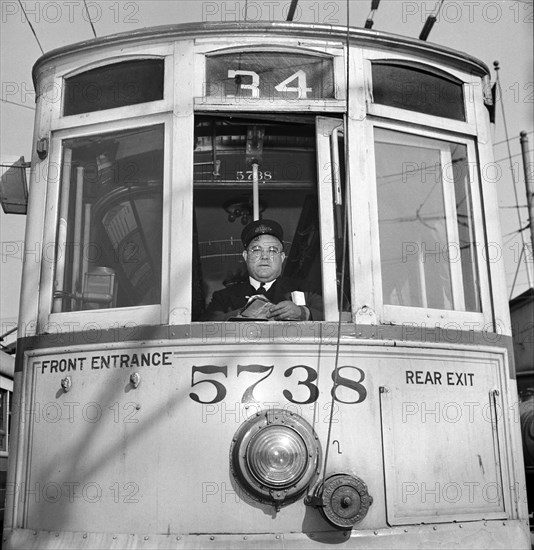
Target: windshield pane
x,y
110,227
427,241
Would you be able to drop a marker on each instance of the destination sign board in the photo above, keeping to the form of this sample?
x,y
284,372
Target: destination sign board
x,y
269,75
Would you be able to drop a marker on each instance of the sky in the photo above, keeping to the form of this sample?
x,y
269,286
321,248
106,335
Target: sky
x,y
488,30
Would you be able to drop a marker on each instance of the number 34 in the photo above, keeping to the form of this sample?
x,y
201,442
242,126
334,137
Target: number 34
x,y
254,86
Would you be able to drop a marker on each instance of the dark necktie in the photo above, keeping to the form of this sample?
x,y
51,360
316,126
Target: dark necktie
x,y
262,289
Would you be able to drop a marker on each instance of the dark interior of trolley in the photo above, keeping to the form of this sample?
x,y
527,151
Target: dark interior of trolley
x,y
223,203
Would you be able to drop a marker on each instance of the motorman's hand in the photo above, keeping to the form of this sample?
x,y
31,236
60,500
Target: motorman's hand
x,y
288,311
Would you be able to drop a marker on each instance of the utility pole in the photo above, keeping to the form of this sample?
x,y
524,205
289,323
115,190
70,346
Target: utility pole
x,y
529,187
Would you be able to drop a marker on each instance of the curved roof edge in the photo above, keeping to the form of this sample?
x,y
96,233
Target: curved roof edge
x,y
320,31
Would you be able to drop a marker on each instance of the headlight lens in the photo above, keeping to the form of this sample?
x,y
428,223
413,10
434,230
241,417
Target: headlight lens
x,y
275,456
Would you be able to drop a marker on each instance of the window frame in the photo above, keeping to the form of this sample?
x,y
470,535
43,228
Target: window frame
x,y
95,61
365,261
324,126
183,100
104,122
110,63
437,317
205,104
210,103
469,126
421,67
6,385
153,314
324,193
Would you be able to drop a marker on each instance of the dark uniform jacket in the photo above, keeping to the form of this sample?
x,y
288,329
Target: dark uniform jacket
x,y
236,296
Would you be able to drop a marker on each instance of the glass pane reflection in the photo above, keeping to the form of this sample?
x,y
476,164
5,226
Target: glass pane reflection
x,y
425,221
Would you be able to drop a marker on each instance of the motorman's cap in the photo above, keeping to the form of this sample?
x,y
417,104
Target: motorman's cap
x,y
261,227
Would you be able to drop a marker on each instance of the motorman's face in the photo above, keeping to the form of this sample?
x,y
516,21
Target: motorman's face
x,y
264,258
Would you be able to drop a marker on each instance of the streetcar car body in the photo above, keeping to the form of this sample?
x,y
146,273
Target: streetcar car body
x,y
391,422
7,368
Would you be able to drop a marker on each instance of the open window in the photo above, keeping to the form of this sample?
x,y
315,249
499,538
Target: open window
x,y
225,149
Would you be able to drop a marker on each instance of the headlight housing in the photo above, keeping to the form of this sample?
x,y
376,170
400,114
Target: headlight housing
x,y
274,456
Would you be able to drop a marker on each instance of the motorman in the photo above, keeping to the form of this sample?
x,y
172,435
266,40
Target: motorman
x,y
287,299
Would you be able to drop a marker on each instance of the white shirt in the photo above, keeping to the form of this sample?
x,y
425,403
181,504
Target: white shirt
x,y
257,284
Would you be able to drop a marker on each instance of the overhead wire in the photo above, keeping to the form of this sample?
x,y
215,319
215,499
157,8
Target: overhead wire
x,y
512,156
509,139
510,238
31,27
335,374
410,173
2,165
517,271
17,104
89,18
514,178
516,231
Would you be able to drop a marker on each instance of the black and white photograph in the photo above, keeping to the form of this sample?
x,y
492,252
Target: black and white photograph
x,y
266,274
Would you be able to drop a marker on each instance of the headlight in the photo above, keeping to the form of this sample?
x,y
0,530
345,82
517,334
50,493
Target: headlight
x,y
275,456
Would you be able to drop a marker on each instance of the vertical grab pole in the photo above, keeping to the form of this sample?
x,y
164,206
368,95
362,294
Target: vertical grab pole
x,y
75,287
61,249
85,249
253,157
255,192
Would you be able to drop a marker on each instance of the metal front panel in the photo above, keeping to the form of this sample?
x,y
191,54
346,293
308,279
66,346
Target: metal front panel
x,y
108,457
441,442
476,535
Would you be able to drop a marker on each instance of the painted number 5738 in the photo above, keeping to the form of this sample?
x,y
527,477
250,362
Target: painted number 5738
x,y
347,383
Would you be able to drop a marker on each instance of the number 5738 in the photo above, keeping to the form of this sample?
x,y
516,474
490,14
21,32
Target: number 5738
x,y
304,375
242,175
